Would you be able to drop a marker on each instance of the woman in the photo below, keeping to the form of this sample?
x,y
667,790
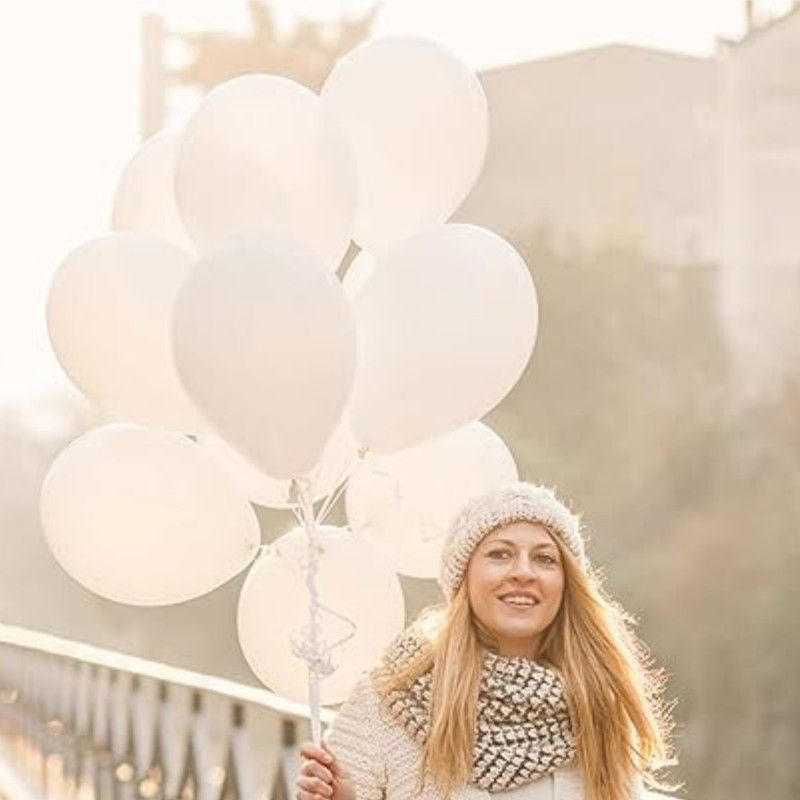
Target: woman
x,y
527,684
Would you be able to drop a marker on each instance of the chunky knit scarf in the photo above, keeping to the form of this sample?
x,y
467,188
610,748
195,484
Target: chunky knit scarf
x,y
523,728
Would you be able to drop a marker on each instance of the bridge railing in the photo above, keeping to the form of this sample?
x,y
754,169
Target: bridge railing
x,y
82,723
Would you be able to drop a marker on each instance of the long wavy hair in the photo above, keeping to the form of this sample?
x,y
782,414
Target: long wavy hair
x,y
614,693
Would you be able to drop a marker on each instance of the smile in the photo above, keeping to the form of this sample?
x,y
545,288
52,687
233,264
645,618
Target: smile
x,y
519,600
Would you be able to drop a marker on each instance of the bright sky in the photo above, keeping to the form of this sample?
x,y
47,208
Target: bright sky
x,y
70,111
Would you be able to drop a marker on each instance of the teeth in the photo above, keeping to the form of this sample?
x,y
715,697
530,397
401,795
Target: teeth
x,y
519,601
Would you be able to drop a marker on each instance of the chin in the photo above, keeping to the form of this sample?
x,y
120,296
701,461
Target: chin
x,y
514,632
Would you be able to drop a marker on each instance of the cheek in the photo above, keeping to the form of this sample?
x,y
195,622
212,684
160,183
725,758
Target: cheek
x,y
475,589
553,587
481,577
480,584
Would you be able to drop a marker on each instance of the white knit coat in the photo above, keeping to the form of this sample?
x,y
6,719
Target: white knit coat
x,y
384,760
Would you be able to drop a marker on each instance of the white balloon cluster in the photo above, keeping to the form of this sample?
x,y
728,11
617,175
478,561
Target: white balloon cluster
x,y
213,320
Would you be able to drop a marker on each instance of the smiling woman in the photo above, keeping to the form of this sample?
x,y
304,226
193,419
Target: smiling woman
x,y
515,583
528,681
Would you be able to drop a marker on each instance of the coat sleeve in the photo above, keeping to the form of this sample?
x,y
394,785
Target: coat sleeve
x,y
356,737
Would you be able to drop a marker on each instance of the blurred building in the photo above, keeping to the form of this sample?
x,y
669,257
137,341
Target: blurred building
x,y
612,145
179,66
760,144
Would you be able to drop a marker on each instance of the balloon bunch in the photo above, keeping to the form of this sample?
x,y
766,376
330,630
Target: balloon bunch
x,y
211,319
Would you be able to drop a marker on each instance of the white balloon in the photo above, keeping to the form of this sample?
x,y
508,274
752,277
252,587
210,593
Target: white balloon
x,y
265,344
262,155
409,499
109,315
358,274
446,327
145,517
355,580
339,456
145,198
417,121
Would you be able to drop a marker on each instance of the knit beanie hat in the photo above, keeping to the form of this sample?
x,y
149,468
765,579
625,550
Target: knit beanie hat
x,y
516,502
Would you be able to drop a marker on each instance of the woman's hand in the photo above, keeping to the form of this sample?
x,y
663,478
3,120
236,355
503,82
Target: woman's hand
x,y
323,776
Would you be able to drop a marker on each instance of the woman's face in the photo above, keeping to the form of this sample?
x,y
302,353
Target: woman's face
x,y
515,584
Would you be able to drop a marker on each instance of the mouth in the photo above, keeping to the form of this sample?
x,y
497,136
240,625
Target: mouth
x,y
519,599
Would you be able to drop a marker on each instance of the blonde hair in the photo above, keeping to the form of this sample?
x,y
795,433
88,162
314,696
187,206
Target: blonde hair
x,y
614,694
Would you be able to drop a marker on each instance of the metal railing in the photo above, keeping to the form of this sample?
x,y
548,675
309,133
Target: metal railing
x,y
83,723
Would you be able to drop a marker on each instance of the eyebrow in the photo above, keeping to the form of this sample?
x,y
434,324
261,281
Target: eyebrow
x,y
539,546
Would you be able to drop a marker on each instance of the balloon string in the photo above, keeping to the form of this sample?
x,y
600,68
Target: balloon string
x,y
300,644
298,514
346,620
310,645
341,485
313,647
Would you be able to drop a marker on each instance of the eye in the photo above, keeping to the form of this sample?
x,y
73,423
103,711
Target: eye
x,y
498,554
546,558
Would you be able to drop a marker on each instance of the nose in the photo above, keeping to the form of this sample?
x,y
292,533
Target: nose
x,y
522,568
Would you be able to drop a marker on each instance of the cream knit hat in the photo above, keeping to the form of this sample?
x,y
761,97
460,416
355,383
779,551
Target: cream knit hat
x,y
516,502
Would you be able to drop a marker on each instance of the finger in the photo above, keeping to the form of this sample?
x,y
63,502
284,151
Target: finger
x,y
315,769
301,794
304,794
320,754
315,785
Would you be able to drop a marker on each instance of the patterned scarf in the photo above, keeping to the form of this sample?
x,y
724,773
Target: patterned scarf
x,y
523,728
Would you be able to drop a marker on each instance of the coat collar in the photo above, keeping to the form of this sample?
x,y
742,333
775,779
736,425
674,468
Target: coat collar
x,y
567,785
